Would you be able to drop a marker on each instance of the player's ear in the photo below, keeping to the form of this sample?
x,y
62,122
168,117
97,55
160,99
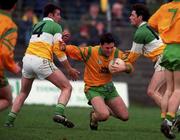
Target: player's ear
x,y
50,15
140,17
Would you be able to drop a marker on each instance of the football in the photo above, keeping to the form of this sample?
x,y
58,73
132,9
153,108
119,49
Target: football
x,y
115,62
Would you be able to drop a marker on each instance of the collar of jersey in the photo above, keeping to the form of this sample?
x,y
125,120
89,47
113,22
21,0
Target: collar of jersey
x,y
5,13
48,18
101,52
144,22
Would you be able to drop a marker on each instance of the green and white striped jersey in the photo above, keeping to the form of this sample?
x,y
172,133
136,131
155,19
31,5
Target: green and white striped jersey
x,y
145,42
45,40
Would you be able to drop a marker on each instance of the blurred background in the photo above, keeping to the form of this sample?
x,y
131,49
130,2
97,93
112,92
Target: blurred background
x,y
86,20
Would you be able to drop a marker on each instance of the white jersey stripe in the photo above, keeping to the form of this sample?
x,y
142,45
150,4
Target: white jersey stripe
x,y
44,37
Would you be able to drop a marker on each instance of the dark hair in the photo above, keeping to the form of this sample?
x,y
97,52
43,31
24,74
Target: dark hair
x,y
141,10
7,4
107,38
50,8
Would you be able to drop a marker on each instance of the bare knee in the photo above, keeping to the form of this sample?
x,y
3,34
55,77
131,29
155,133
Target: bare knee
x,y
8,102
67,87
103,116
125,117
150,93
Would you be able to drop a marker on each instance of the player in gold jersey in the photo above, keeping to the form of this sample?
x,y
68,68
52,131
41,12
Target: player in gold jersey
x,y
166,20
99,88
8,38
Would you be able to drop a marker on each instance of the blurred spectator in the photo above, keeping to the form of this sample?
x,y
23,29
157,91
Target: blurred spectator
x,y
97,32
93,16
153,5
100,27
27,3
118,19
39,6
76,8
30,19
137,1
29,16
82,38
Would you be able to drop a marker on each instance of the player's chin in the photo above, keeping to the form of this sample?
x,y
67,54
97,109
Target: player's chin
x,y
107,54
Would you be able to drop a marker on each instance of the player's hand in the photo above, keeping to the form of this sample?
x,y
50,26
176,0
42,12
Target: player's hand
x,y
118,68
62,46
17,69
74,74
66,36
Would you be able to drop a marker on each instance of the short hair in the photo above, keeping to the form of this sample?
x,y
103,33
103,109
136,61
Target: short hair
x,y
107,38
141,10
50,8
7,4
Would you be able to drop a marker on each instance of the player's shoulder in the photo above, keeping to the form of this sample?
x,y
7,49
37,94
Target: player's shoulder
x,y
141,33
7,21
95,47
166,5
50,26
141,30
55,27
50,23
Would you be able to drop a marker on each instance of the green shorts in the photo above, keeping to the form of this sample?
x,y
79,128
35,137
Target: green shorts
x,y
3,81
171,57
107,92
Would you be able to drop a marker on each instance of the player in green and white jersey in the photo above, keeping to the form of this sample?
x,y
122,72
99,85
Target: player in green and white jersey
x,y
38,62
146,42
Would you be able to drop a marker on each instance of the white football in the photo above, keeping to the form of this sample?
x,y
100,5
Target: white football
x,y
115,62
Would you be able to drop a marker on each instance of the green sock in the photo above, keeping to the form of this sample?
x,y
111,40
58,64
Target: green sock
x,y
59,110
178,113
11,117
169,117
163,115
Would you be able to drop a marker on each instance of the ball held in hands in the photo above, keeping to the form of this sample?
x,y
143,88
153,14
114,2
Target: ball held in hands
x,y
115,64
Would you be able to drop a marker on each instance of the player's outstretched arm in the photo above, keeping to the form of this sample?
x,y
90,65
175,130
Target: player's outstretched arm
x,y
73,73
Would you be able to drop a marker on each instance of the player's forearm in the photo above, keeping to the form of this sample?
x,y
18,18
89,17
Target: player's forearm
x,y
66,65
132,57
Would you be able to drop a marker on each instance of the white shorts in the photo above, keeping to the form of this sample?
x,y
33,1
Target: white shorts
x,y
34,66
158,67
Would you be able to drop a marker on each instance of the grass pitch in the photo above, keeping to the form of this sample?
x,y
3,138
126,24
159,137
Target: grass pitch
x,y
34,122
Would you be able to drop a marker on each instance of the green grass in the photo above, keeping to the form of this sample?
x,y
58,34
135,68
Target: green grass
x,y
35,123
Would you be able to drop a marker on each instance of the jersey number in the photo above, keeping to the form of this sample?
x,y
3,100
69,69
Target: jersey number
x,y
38,30
174,12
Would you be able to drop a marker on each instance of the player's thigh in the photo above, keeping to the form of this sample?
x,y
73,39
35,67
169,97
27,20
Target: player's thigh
x,y
59,79
118,107
29,61
5,93
99,105
157,80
